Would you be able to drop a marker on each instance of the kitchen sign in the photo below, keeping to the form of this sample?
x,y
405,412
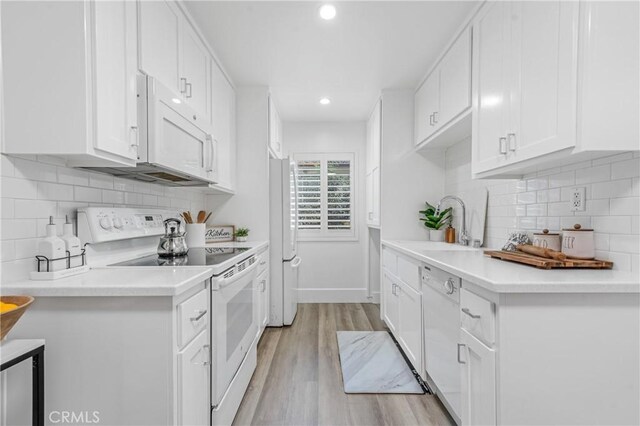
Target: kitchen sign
x,y
219,233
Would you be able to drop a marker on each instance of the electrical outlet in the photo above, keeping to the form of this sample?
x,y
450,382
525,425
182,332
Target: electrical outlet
x,y
578,199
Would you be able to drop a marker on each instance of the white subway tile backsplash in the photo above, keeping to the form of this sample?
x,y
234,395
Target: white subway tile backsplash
x,y
19,188
612,189
55,191
150,200
613,158
73,176
34,170
27,248
626,169
69,209
562,179
115,197
625,243
35,209
90,195
527,198
593,174
625,206
7,208
120,184
6,166
7,250
99,180
537,184
13,229
613,224
537,209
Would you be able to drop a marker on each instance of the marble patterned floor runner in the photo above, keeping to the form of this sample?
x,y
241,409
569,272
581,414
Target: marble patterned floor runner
x,y
371,363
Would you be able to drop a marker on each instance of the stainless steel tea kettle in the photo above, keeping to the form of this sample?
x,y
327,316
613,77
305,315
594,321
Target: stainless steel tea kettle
x,y
173,243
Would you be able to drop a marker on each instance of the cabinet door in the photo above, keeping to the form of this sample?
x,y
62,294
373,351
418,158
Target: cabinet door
x,y
375,196
194,70
193,382
274,130
543,64
427,105
389,303
114,76
478,375
223,120
490,88
375,142
264,290
410,323
158,31
370,196
455,80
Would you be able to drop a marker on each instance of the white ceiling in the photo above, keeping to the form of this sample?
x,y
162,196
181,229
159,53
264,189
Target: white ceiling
x,y
369,46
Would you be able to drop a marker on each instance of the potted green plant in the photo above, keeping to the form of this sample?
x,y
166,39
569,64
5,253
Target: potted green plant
x,y
242,234
436,220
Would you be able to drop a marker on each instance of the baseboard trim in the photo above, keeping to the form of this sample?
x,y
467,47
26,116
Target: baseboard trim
x,y
332,295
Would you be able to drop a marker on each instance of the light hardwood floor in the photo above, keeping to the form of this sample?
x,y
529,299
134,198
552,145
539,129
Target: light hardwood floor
x,y
298,380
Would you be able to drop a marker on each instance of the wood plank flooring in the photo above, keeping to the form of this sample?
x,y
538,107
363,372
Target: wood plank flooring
x,y
298,380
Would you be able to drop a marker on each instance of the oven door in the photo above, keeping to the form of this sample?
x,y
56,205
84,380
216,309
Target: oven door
x,y
233,326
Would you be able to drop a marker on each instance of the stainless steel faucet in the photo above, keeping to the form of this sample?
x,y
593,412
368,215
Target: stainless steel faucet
x,y
463,239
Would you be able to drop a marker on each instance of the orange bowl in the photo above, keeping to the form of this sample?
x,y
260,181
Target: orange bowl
x,y
10,318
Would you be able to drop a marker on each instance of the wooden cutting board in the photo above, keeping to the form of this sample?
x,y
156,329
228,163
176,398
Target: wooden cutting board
x,y
544,263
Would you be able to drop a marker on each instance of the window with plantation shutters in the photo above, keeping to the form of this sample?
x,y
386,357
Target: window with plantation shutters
x,y
326,196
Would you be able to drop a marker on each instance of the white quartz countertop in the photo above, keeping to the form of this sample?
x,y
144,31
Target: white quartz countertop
x,y
127,281
115,282
500,276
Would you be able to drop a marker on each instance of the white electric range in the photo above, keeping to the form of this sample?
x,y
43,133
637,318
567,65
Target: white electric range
x,y
127,238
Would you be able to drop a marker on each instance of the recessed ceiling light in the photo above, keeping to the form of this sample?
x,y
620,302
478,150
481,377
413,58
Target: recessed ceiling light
x,y
325,101
328,12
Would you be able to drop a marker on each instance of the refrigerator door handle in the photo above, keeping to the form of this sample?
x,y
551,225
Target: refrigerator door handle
x,y
296,263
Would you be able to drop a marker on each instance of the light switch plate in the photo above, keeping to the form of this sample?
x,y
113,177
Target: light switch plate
x,y
578,199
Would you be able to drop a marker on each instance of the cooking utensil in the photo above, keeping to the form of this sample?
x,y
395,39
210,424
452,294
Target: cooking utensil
x,y
547,240
173,243
201,216
207,218
541,251
578,243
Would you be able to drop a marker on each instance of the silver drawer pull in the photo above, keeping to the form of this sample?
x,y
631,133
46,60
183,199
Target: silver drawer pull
x,y
200,315
466,311
206,348
460,361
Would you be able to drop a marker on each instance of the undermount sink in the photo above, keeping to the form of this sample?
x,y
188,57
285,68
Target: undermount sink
x,y
433,246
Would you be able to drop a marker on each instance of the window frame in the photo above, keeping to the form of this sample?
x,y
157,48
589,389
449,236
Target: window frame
x,y
325,234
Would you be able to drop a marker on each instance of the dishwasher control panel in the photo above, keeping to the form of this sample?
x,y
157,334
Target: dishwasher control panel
x,y
442,281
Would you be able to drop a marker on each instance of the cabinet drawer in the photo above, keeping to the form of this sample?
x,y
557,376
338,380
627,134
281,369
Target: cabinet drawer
x,y
263,261
477,316
192,317
409,272
390,260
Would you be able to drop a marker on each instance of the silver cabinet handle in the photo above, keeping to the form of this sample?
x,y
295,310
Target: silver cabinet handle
x,y
460,361
201,313
184,84
393,289
206,362
136,140
188,90
435,117
466,311
503,145
512,141
431,120
263,286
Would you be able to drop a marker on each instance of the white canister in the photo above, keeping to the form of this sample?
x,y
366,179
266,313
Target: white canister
x,y
195,234
545,239
436,234
578,243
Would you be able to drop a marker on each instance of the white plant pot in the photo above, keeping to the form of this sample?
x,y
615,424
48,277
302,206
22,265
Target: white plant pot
x,y
436,234
241,239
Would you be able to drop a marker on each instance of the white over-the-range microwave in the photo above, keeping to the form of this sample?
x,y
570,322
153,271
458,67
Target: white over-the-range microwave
x,y
176,145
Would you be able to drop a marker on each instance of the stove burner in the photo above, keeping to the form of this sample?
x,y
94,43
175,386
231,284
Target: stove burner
x,y
200,256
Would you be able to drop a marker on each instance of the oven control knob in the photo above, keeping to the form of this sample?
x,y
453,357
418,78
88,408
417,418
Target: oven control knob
x,y
106,223
449,287
117,223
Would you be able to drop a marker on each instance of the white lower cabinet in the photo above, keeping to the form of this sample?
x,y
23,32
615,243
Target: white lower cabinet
x,y
389,302
263,306
193,378
478,381
410,323
402,311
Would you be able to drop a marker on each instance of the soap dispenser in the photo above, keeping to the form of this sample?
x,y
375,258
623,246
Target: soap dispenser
x,y
72,243
53,247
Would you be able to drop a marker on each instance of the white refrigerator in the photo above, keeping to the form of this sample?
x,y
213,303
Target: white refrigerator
x,y
283,246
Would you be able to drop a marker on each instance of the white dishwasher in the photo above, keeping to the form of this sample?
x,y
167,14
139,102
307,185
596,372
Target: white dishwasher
x,y
441,307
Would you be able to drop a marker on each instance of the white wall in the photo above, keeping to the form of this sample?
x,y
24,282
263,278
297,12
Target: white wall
x,y
408,178
541,200
333,271
249,207
34,188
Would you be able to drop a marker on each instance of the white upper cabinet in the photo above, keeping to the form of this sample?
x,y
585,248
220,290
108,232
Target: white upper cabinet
x,y
443,101
525,74
159,33
374,146
275,131
194,71
74,94
171,51
551,80
224,126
